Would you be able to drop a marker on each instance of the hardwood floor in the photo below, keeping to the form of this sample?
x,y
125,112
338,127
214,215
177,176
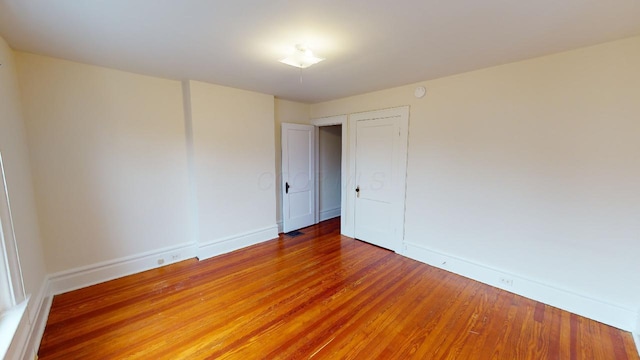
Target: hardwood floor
x,y
317,295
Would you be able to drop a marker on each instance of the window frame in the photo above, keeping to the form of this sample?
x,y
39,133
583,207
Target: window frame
x,y
11,282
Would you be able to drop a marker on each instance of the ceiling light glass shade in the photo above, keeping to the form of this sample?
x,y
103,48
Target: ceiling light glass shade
x,y
301,58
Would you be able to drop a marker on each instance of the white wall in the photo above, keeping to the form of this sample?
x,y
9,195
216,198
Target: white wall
x,y
285,112
13,145
108,157
530,168
112,175
115,157
234,160
329,158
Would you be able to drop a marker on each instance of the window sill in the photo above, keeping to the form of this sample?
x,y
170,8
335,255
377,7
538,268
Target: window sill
x,y
9,322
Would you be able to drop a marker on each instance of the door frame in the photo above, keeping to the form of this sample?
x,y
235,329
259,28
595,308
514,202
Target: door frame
x,y
330,121
348,184
399,207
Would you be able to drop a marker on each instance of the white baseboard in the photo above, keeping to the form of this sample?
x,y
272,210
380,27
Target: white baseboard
x,y
84,276
80,277
605,312
26,340
39,314
235,242
329,214
29,335
280,228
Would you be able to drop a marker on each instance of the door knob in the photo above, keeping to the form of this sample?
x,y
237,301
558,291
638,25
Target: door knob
x,y
286,187
358,191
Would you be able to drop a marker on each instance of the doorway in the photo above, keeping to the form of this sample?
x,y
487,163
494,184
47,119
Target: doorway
x,y
313,169
329,165
382,134
332,132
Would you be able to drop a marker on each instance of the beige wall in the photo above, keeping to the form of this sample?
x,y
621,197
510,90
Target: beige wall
x,y
531,168
285,112
234,160
111,161
15,153
108,157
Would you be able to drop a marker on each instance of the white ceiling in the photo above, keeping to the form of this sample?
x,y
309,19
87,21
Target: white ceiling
x,y
368,44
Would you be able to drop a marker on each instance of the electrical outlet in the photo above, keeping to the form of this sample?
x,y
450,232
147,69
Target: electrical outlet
x,y
160,261
175,257
506,281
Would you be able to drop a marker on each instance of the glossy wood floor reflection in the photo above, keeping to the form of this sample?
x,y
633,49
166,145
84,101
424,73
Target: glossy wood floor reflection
x,y
321,296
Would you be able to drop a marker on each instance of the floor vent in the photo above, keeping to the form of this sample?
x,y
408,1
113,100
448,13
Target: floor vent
x,y
294,233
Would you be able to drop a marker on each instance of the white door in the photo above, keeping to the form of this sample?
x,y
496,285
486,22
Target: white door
x,y
380,174
298,176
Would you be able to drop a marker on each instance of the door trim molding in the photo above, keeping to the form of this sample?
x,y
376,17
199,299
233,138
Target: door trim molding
x,y
330,120
399,210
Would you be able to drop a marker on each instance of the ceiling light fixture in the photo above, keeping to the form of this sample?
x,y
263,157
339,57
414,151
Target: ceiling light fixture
x,y
301,58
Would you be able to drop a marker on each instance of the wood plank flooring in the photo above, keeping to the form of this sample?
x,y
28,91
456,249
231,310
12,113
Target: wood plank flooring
x,y
318,295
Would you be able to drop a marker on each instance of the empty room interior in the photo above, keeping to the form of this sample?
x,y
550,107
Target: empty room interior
x,y
320,179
